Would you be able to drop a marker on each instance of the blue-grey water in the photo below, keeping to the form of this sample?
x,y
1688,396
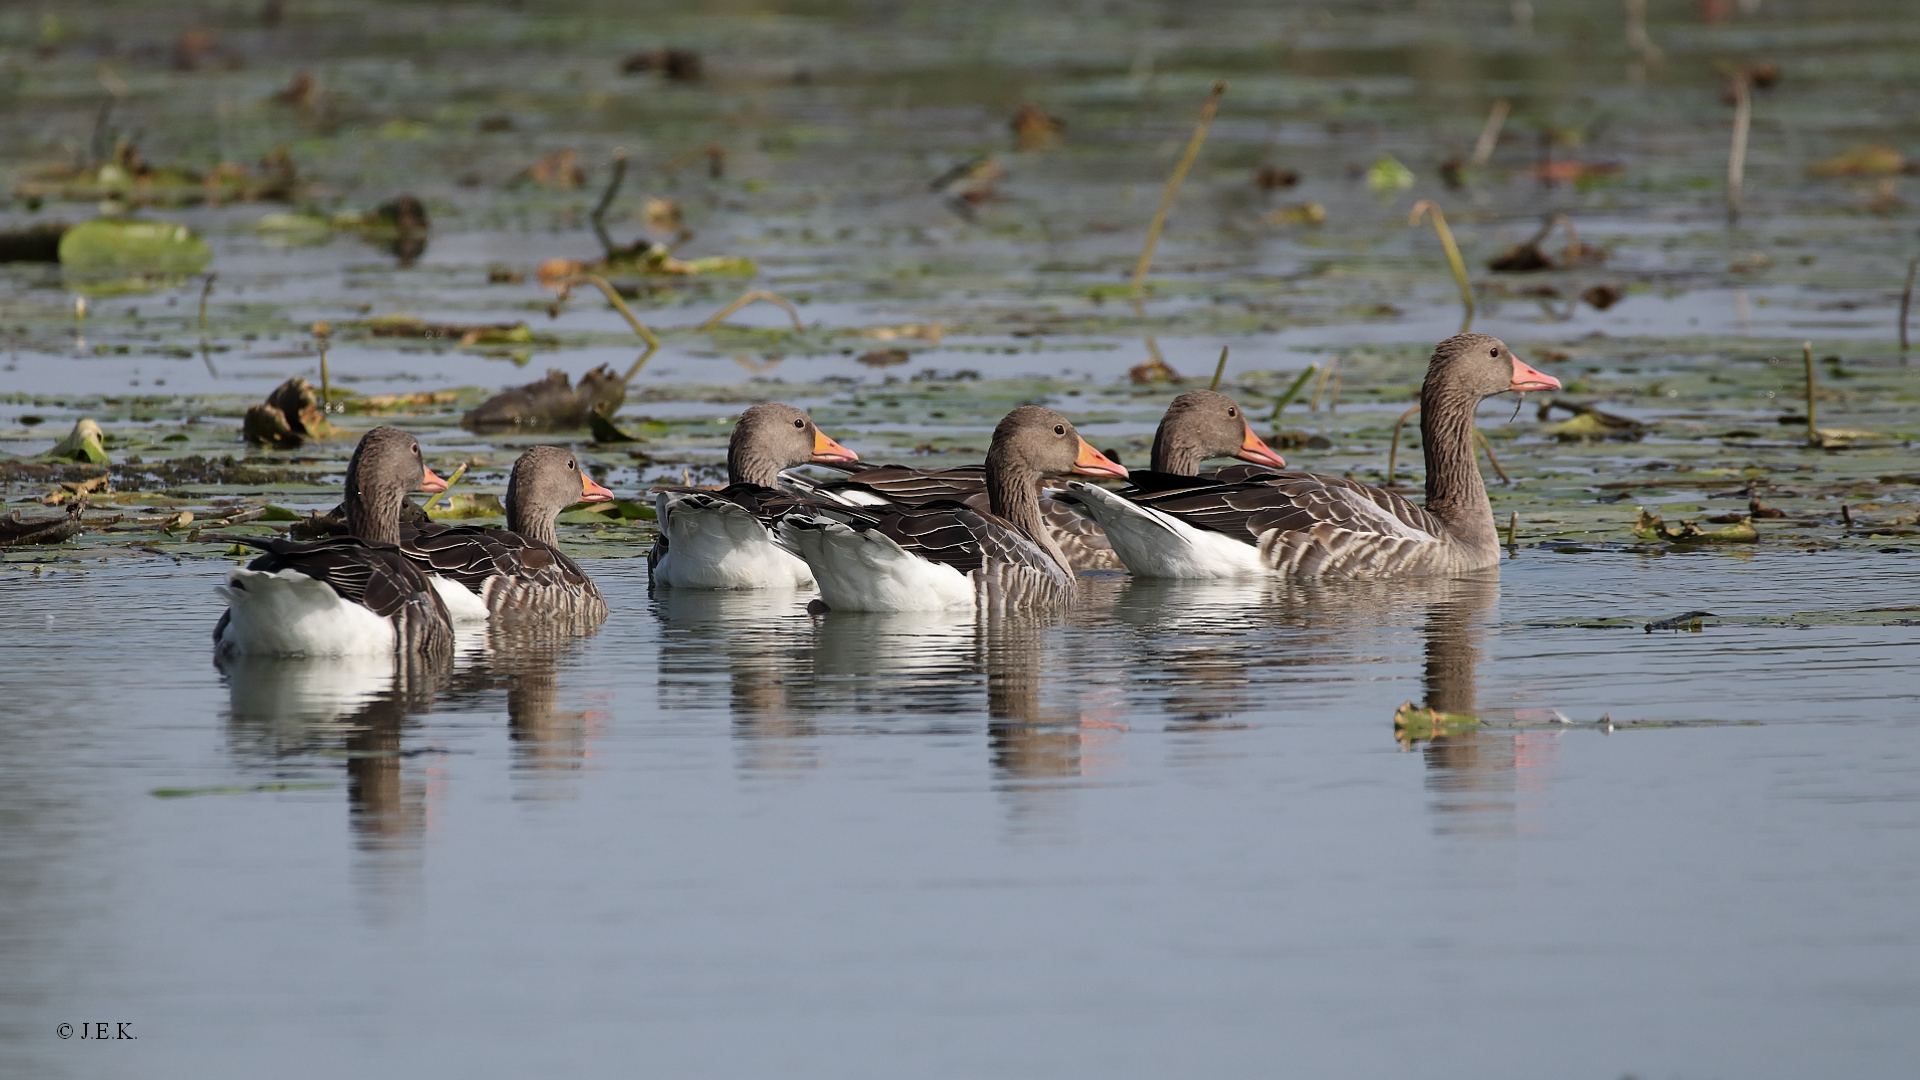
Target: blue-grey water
x,y
1170,834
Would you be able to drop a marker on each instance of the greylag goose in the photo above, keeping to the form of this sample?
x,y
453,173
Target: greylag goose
x,y
946,555
1303,526
346,595
1198,425
517,573
722,539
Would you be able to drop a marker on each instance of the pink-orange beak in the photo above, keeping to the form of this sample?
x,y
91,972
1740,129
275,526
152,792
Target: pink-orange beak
x,y
825,449
1254,450
1525,378
592,492
430,483
1092,462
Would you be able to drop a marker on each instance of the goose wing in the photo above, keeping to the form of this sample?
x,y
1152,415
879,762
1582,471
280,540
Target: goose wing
x,y
1082,540
1294,502
471,555
377,576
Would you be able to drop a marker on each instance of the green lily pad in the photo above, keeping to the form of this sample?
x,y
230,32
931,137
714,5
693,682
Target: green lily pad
x,y
107,247
84,443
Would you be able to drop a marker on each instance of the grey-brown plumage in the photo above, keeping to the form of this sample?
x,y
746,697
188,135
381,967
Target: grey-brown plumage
x,y
519,573
944,554
1306,526
1198,425
365,568
725,539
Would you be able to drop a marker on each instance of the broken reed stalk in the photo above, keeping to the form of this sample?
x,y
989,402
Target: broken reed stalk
x,y
613,297
1637,38
749,297
453,479
206,290
1513,535
1906,302
1219,369
1173,186
1737,156
1491,460
598,217
1813,432
1490,134
1293,391
1452,249
1322,387
1573,236
1393,454
320,332
1333,395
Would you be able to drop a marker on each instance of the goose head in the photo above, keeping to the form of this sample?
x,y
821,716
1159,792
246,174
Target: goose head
x,y
1202,424
772,437
385,466
545,481
1040,442
1483,366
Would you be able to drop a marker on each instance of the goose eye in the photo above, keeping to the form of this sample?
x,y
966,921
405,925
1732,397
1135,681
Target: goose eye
x,y
800,423
1059,429
1231,411
1495,352
571,465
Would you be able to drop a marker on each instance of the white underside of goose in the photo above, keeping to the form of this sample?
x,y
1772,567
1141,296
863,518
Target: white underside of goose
x,y
866,571
462,603
721,545
1153,544
287,613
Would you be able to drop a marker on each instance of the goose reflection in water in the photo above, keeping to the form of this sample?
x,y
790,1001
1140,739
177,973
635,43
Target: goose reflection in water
x,y
284,709
525,661
755,639
1475,776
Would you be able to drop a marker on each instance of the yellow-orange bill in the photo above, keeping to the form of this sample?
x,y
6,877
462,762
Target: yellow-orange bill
x,y
1525,377
1092,462
430,483
592,492
825,449
1254,449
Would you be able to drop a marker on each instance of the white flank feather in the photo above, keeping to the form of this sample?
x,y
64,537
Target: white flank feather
x,y
1157,545
866,571
288,613
721,545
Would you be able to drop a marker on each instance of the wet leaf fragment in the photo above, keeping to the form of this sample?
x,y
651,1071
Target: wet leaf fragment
x,y
1651,527
467,335
1685,621
1413,723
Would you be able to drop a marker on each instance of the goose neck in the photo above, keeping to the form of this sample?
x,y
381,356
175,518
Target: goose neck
x,y
532,522
1013,493
747,465
1174,455
373,515
1456,494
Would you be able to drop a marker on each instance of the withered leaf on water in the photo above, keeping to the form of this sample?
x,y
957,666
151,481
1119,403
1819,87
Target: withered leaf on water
x,y
18,531
553,402
1651,527
289,417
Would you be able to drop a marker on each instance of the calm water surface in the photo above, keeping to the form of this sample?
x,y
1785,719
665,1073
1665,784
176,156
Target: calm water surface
x,y
1170,834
